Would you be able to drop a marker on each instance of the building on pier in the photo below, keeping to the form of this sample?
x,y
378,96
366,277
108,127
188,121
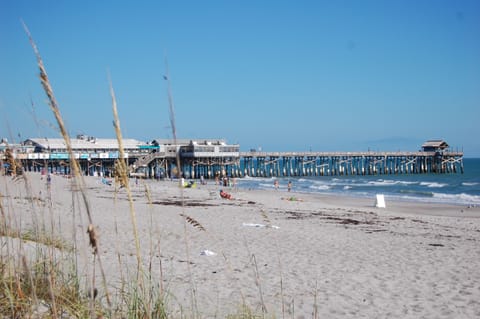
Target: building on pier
x,y
199,157
95,155
82,144
435,146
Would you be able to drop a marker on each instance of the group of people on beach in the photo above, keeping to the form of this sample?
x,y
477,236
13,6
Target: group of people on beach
x,y
225,181
276,184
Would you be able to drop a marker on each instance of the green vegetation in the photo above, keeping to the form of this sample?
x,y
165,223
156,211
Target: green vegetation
x,y
47,283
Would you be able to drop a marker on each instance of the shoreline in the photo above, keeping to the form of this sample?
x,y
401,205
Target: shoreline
x,y
389,197
403,205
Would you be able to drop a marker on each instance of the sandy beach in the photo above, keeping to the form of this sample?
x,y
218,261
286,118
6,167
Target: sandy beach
x,y
313,257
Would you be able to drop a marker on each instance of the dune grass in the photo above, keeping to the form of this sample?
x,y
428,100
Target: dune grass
x,y
48,283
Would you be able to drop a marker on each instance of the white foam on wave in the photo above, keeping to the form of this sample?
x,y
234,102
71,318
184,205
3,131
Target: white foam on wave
x,y
432,184
455,199
458,198
391,182
469,184
255,179
321,187
383,182
406,183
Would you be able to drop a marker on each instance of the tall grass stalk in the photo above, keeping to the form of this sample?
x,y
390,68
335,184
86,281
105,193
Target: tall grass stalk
x,y
315,301
182,195
123,175
152,250
258,283
75,167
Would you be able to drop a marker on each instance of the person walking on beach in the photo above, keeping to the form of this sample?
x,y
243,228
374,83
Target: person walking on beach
x,y
289,186
49,181
275,184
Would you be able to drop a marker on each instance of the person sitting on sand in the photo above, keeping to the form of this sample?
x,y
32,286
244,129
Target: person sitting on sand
x,y
190,184
106,182
293,199
225,194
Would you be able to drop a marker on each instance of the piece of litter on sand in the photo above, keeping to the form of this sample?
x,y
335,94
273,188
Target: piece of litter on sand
x,y
260,225
207,252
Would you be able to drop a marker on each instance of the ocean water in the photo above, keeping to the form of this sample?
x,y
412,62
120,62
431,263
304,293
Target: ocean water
x,y
454,188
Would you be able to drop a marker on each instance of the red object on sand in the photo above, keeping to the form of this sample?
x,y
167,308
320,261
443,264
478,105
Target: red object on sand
x,y
225,195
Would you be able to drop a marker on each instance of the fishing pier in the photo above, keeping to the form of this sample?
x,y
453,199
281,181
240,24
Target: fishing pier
x,y
349,163
215,158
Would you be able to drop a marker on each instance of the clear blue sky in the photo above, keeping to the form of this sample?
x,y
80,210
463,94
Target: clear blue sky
x,y
281,75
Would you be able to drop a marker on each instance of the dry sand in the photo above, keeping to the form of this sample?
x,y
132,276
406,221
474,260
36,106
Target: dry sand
x,y
321,256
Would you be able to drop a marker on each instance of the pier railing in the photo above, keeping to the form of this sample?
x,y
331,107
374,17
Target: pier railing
x,y
343,154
